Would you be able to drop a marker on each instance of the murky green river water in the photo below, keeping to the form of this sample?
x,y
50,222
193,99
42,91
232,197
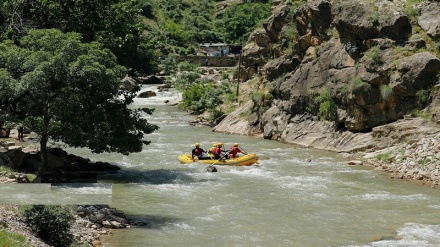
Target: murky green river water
x,y
293,197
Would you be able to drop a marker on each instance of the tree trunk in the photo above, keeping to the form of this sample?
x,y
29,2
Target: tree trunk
x,y
43,149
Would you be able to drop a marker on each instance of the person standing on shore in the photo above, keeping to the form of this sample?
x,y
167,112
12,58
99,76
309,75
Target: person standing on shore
x,y
20,131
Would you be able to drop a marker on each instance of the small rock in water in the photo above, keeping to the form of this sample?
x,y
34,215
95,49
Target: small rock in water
x,y
211,168
355,163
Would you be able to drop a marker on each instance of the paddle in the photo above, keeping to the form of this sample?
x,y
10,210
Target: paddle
x,y
222,158
243,150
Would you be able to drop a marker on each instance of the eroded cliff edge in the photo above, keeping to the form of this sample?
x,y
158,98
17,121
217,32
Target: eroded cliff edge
x,y
333,74
347,76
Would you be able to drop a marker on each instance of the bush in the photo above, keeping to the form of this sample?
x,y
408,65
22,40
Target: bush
x,y
384,157
386,91
257,98
359,83
327,107
374,54
216,115
422,97
185,80
201,97
147,9
169,64
51,223
186,66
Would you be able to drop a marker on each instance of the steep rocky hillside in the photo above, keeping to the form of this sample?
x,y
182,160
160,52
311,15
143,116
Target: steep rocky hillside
x,y
334,74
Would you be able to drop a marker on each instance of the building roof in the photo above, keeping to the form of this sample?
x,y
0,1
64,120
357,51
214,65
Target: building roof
x,y
213,44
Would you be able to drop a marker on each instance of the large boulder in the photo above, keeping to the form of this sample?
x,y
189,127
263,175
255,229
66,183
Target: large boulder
x,y
277,67
5,160
357,21
59,161
17,156
128,83
147,94
314,17
276,22
429,19
255,53
150,80
415,73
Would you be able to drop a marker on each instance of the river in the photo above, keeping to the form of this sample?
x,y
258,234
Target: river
x,y
294,197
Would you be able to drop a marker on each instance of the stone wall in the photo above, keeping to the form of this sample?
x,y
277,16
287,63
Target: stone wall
x,y
212,61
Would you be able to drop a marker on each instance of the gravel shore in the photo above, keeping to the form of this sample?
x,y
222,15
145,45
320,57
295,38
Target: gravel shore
x,y
419,160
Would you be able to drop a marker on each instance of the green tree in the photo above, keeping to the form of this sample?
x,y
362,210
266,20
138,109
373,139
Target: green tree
x,y
68,91
240,20
114,23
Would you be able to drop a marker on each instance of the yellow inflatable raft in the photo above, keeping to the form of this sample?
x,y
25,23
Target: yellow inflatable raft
x,y
245,160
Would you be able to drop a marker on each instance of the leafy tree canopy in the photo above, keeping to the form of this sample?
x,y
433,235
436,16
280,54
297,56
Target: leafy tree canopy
x,y
68,91
240,20
114,23
185,23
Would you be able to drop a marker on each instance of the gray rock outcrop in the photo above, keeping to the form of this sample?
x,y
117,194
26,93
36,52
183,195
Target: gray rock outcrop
x,y
429,18
351,67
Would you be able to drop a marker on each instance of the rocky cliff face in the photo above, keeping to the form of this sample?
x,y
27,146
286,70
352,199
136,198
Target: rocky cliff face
x,y
336,68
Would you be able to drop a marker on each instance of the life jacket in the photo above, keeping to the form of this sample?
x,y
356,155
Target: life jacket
x,y
211,152
234,150
217,152
198,151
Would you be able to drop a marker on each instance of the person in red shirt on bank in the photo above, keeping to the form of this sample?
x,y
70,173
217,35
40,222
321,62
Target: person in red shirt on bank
x,y
234,150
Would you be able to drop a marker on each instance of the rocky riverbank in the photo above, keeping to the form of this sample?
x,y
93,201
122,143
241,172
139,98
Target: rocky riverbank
x,y
91,221
417,160
407,149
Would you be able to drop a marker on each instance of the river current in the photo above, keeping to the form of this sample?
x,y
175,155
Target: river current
x,y
294,197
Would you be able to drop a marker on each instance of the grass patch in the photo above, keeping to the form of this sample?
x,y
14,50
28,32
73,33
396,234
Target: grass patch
x,y
411,10
342,90
374,54
245,114
423,161
359,83
384,157
423,97
6,169
386,91
31,177
421,114
11,239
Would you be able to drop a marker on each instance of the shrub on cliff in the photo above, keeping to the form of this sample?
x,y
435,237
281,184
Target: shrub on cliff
x,y
51,223
327,109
